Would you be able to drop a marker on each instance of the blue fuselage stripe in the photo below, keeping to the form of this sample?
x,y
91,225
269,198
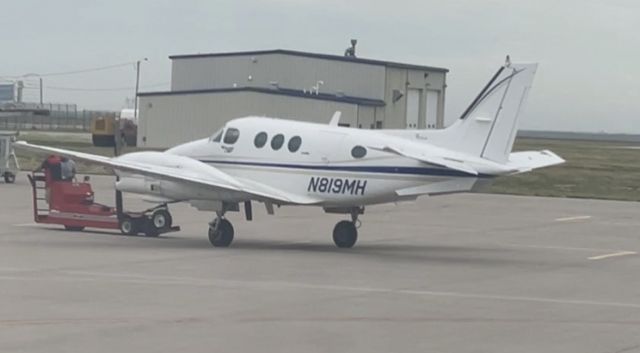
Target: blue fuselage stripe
x,y
360,169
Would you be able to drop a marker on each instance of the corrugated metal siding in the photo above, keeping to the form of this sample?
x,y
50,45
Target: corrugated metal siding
x,y
394,112
354,79
366,117
404,79
168,120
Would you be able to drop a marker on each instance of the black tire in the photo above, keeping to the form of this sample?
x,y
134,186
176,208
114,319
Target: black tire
x,y
345,234
9,178
161,220
128,226
223,236
150,230
74,228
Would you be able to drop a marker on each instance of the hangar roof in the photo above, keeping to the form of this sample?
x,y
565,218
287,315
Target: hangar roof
x,y
278,91
314,55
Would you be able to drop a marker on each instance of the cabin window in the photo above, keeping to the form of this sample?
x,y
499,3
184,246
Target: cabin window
x,y
294,143
277,141
358,152
217,136
231,136
260,140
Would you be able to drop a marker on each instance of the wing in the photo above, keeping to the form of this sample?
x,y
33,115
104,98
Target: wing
x,y
181,169
440,188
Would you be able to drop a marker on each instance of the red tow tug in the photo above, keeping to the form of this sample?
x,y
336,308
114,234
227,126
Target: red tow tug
x,y
71,204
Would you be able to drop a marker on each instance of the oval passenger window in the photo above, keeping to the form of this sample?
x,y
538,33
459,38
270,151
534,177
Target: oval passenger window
x,y
260,140
277,141
358,152
294,143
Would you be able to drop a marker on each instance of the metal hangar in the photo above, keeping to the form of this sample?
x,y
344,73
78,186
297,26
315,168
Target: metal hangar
x,y
207,90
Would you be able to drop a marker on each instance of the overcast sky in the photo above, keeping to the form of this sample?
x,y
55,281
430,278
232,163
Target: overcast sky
x,y
589,51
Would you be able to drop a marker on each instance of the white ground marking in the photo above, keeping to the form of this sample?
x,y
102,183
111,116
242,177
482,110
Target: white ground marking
x,y
574,218
615,254
73,276
557,247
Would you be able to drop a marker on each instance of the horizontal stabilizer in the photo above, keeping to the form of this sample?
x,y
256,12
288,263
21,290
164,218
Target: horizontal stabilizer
x,y
526,161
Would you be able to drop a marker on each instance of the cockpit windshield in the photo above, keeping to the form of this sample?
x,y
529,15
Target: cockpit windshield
x,y
217,136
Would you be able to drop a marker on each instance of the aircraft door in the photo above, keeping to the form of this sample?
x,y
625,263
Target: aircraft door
x,y
327,147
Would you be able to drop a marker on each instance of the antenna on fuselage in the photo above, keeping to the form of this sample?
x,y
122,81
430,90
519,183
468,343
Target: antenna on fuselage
x,y
335,119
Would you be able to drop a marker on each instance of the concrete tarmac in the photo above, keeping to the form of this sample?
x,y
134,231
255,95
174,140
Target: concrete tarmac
x,y
459,273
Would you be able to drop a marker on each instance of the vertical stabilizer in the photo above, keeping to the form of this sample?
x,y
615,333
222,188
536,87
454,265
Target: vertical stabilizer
x,y
489,125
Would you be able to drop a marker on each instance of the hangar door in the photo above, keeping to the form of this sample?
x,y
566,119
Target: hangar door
x,y
413,108
431,111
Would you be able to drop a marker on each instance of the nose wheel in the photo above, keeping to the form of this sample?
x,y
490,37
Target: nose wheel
x,y
220,233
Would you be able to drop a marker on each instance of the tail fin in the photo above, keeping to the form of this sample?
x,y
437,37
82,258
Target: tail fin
x,y
489,125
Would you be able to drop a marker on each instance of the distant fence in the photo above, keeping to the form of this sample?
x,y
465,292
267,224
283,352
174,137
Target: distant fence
x,y
44,119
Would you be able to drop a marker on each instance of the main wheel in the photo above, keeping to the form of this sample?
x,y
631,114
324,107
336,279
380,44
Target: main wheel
x,y
161,219
128,226
345,234
223,236
74,228
9,178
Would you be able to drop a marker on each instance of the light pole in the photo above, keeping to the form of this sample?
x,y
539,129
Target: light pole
x,y
135,98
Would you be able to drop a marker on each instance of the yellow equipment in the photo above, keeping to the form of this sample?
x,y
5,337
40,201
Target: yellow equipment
x,y
103,130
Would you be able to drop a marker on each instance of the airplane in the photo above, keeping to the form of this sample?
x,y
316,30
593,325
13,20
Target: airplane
x,y
282,162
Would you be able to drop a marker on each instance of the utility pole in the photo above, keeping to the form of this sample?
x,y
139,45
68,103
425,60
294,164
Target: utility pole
x,y
40,92
135,98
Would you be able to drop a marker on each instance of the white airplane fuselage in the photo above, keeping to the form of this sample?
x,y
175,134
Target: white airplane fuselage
x,y
323,166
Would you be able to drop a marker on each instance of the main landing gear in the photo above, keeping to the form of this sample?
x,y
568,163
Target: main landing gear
x,y
345,233
220,231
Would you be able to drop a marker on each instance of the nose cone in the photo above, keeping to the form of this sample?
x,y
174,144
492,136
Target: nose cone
x,y
191,149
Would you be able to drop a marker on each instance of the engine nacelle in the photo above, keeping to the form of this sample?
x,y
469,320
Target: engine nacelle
x,y
171,190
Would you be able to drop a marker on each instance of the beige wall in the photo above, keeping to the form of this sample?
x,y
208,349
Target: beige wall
x,y
293,72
